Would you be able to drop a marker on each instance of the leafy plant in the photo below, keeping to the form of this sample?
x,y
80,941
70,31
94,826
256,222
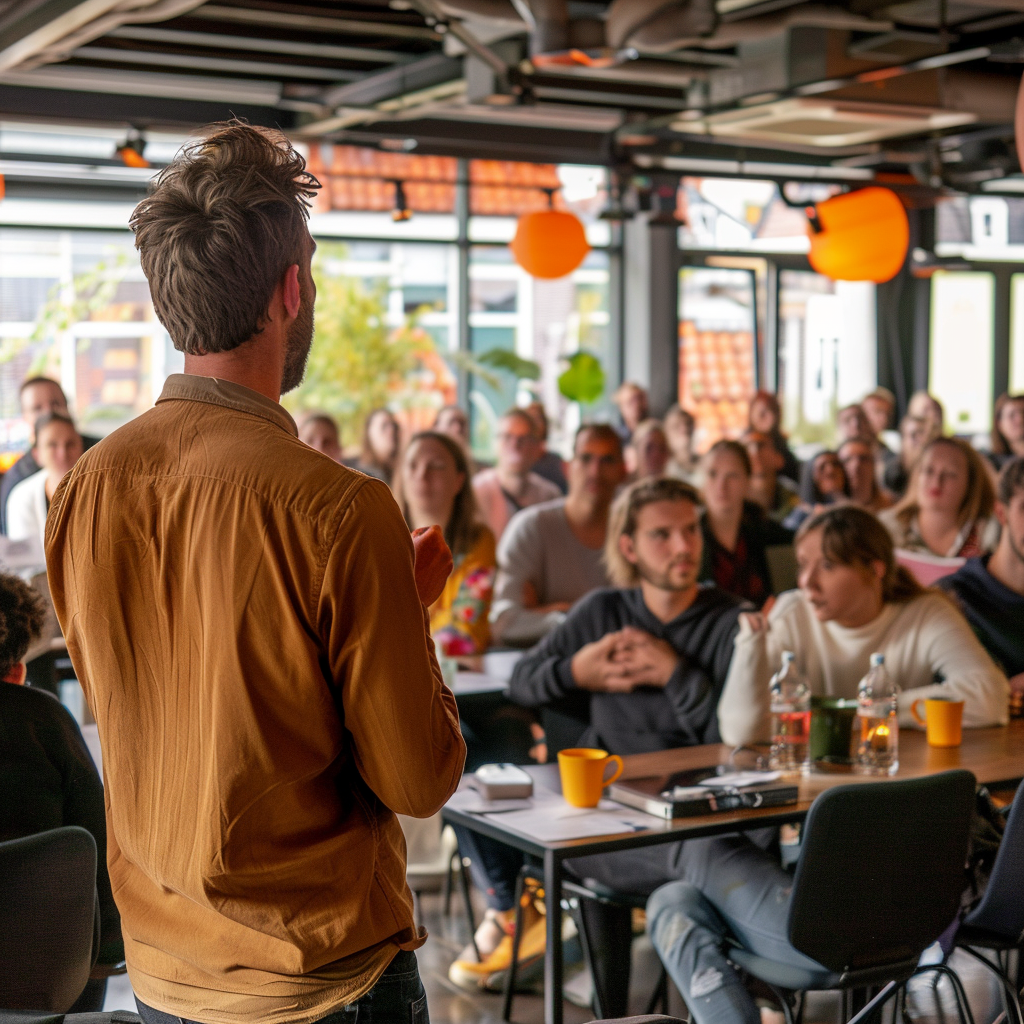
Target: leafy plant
x,y
484,365
358,362
583,381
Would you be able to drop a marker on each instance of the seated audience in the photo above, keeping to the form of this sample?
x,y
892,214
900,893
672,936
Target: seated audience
x,y
320,432
38,396
654,662
550,554
736,531
512,485
857,454
765,416
56,446
949,500
549,465
822,483
990,589
1007,430
878,406
433,489
648,452
679,429
453,421
855,599
852,421
47,778
928,408
774,494
382,438
631,400
915,433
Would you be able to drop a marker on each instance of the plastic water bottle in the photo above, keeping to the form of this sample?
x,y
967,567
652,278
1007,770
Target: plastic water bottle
x,y
879,750
791,718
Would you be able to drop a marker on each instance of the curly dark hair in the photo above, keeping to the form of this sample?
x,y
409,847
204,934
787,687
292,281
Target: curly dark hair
x,y
219,227
22,612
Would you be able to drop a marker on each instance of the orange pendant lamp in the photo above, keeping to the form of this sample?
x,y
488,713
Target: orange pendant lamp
x,y
549,243
859,236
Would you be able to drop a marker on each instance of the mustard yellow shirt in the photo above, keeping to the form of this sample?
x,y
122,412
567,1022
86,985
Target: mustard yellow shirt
x,y
242,614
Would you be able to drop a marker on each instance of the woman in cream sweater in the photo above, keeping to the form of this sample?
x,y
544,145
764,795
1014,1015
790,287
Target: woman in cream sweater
x,y
854,599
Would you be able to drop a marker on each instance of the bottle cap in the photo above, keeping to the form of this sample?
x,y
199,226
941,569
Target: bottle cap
x,y
788,657
877,659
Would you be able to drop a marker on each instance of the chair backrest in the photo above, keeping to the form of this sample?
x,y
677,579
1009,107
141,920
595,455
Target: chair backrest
x,y
1001,909
881,869
48,919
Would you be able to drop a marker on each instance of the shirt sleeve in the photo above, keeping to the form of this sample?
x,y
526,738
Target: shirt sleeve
x,y
744,709
965,668
519,556
402,719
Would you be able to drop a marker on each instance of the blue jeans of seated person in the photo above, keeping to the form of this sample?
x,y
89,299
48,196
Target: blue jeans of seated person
x,y
751,893
397,998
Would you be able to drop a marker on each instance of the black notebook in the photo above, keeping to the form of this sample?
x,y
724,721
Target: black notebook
x,y
704,791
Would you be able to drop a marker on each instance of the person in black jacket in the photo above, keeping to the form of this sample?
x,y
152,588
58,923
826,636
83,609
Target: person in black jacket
x,y
651,663
47,778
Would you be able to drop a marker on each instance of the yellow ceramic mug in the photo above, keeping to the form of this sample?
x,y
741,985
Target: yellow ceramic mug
x,y
582,771
942,720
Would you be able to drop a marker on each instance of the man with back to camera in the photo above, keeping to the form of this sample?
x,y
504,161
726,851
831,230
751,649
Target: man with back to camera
x,y
551,554
243,615
990,589
38,397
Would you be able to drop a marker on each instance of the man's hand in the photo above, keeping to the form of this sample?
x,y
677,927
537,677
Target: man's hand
x,y
644,658
756,622
433,563
593,667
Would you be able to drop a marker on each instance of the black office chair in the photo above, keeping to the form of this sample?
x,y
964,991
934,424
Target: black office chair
x,y
49,919
879,879
996,923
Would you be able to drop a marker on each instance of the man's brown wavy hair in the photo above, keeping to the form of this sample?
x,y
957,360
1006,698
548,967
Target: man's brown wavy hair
x,y
218,229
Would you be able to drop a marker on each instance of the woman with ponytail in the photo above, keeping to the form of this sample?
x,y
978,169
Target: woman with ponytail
x,y
855,599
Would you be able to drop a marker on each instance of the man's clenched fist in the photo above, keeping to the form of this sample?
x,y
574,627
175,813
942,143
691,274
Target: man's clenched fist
x,y
433,562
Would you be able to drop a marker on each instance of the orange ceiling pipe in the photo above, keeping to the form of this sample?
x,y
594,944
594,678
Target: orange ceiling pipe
x,y
549,243
859,236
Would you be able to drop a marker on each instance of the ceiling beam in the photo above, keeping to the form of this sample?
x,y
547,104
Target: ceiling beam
x,y
186,61
214,40
339,26
384,85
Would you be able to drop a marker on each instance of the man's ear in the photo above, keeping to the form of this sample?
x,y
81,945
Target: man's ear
x,y
17,674
1000,511
291,293
627,549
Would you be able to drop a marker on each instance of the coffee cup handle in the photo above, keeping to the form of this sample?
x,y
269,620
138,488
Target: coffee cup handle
x,y
618,761
913,711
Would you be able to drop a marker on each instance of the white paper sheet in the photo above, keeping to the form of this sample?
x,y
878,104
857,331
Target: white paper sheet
x,y
551,819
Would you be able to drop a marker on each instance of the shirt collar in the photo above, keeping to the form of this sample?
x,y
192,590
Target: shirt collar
x,y
191,387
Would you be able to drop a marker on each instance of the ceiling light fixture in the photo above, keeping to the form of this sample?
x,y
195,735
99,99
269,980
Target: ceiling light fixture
x,y
131,151
401,211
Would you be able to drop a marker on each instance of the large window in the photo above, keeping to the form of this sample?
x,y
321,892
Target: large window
x,y
717,350
827,351
961,352
1016,334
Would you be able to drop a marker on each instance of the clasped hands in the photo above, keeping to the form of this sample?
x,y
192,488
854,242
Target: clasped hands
x,y
620,662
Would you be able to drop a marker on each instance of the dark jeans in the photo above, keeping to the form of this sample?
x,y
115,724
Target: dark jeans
x,y
494,866
397,998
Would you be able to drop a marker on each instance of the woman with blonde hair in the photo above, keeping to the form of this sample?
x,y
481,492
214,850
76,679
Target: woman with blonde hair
x,y
648,453
948,505
433,488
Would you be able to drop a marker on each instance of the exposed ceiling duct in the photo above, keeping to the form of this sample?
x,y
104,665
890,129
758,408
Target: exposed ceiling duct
x,y
41,36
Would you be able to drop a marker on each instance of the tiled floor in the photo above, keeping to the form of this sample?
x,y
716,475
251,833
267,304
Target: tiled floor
x,y
450,1005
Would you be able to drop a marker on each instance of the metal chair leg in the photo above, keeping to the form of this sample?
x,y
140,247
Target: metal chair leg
x,y
446,886
510,977
659,995
962,1006
588,958
1011,999
882,996
467,899
783,998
